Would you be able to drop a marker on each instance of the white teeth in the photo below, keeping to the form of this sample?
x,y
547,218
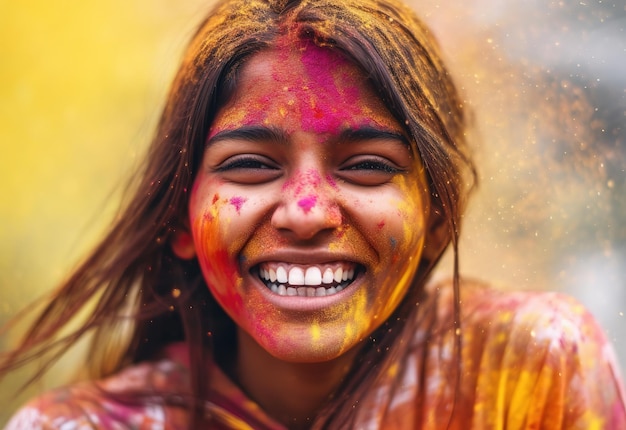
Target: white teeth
x,y
281,275
308,291
313,276
296,276
281,290
328,277
338,274
308,281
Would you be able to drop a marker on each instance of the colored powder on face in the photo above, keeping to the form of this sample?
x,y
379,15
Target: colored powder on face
x,y
307,203
216,197
315,332
340,232
322,115
380,225
238,202
393,242
306,181
331,181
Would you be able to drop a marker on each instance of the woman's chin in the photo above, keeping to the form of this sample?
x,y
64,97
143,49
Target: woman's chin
x,y
303,347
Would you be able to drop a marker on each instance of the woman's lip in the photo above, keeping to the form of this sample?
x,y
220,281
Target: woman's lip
x,y
303,258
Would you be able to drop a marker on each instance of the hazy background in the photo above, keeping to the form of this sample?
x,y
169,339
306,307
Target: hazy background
x,y
81,84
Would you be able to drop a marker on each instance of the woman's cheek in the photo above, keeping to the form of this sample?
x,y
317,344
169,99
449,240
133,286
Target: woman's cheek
x,y
211,224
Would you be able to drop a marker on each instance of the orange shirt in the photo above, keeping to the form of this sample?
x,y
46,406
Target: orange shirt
x,y
529,361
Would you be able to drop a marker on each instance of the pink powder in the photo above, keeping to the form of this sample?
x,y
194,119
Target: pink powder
x,y
331,181
319,103
310,179
237,202
307,203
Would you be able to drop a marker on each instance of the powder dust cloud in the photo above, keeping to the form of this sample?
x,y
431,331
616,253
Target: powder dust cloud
x,y
82,83
546,84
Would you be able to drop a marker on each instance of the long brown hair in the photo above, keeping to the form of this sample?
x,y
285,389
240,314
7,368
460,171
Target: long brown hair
x,y
134,280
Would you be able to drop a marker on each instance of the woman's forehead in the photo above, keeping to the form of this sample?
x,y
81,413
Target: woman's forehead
x,y
315,86
303,64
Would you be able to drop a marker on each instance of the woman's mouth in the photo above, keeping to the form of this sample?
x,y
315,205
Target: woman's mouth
x,y
307,280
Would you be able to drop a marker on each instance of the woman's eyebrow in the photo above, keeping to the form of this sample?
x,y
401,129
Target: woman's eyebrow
x,y
253,133
256,133
371,133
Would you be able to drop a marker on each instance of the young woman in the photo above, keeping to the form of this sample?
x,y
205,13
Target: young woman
x,y
271,266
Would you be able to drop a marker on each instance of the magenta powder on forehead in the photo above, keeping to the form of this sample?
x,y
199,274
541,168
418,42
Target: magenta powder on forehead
x,y
237,202
307,203
323,112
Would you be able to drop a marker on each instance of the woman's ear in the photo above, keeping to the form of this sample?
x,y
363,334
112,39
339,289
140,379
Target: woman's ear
x,y
437,235
182,244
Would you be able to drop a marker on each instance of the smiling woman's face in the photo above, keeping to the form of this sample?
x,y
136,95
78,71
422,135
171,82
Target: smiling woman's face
x,y
308,212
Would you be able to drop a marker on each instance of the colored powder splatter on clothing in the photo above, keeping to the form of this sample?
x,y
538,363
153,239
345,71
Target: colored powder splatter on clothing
x,y
518,328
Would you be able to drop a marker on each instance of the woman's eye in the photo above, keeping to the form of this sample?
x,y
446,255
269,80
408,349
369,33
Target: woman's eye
x,y
244,163
369,171
248,169
374,165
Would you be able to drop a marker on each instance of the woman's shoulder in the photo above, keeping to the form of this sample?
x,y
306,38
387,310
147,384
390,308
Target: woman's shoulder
x,y
541,353
75,406
544,314
533,321
537,316
525,322
109,403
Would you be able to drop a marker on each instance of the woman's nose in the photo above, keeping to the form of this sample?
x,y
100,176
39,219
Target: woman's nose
x,y
307,208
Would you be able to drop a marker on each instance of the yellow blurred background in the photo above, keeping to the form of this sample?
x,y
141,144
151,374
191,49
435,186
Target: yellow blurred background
x,y
82,83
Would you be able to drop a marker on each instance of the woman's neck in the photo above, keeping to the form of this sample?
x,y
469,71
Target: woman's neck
x,y
291,393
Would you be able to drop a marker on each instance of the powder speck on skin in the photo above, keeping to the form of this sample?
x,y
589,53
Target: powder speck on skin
x,y
307,203
381,224
393,242
237,202
331,181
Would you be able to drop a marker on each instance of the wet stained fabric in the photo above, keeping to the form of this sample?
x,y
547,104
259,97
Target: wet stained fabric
x,y
530,360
